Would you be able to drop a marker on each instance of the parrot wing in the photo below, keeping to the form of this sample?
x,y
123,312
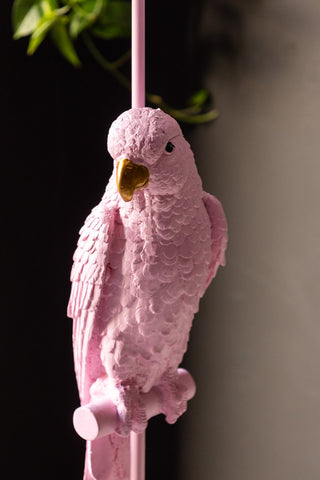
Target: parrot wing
x,y
91,260
219,234
107,458
90,272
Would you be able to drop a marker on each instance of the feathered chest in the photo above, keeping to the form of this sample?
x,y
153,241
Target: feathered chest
x,y
160,258
167,247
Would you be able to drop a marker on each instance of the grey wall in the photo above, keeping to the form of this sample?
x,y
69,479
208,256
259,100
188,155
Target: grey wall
x,y
254,347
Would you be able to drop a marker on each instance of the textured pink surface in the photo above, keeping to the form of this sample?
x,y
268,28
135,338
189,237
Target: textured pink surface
x,y
100,418
139,272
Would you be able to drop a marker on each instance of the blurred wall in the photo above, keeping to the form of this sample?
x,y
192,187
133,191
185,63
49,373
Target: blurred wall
x,y
254,347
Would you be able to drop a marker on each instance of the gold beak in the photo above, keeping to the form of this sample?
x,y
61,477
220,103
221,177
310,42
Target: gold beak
x,y
131,177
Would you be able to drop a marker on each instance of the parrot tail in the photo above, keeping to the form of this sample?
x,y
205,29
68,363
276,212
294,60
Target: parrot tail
x,y
108,458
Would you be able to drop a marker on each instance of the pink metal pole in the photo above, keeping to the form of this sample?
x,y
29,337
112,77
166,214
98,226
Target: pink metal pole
x,y
137,441
137,455
138,53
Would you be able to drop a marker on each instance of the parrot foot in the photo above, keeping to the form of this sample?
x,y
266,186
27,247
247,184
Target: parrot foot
x,y
123,405
174,398
120,397
131,411
139,415
127,399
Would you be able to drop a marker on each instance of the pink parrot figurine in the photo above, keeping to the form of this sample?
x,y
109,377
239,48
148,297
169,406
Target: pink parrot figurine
x,y
145,256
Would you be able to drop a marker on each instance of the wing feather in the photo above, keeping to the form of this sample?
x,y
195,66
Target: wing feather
x,y
89,274
90,261
219,233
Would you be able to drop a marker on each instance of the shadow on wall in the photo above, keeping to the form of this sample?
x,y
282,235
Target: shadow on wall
x,y
186,39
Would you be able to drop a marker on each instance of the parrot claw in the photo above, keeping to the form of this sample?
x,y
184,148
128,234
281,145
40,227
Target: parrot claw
x,y
174,398
127,399
124,412
139,417
131,412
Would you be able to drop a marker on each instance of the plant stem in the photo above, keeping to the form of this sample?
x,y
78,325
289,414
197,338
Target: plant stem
x,y
104,63
188,115
122,60
62,10
184,115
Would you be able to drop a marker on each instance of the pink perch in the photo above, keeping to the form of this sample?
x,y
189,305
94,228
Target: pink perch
x,y
145,256
101,418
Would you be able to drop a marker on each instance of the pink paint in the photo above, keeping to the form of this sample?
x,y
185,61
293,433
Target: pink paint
x,y
138,53
96,419
137,455
100,418
137,442
139,272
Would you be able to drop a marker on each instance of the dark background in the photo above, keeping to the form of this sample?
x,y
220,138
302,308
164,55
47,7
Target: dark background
x,y
54,170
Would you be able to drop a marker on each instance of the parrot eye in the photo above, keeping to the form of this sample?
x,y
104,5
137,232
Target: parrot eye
x,y
169,147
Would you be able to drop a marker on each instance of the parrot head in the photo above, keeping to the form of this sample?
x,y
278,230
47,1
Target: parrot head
x,y
149,151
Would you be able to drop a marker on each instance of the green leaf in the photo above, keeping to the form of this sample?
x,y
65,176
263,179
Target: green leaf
x,y
89,5
60,37
84,16
198,98
114,20
26,15
77,24
41,32
48,6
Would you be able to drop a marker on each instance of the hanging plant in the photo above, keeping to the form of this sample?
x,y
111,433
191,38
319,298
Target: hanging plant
x,y
67,22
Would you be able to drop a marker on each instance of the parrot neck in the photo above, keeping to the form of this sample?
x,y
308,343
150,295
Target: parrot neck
x,y
144,199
